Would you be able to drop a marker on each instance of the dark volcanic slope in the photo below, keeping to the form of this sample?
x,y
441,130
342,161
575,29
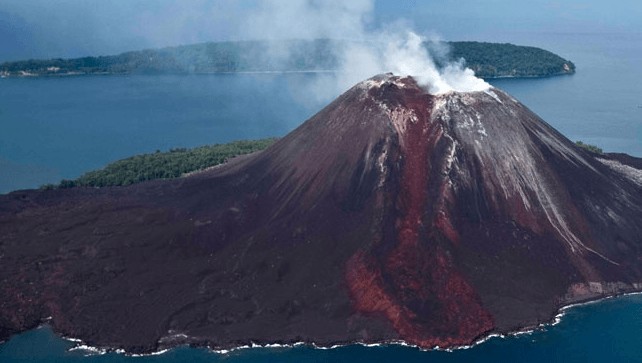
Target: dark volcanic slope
x,y
391,214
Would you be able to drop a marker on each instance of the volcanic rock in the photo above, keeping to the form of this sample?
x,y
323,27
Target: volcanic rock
x,y
391,215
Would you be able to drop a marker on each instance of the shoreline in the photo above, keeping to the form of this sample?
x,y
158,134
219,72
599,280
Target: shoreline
x,y
554,321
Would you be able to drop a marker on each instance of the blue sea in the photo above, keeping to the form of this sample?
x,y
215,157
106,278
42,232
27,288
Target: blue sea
x,y
54,128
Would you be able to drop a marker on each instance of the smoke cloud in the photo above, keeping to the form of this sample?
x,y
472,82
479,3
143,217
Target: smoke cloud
x,y
365,50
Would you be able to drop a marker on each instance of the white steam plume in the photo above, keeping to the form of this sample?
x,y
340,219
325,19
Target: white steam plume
x,y
365,52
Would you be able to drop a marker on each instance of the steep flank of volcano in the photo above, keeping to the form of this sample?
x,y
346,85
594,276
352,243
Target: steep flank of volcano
x,y
392,214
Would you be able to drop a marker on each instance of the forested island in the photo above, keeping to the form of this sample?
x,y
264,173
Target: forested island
x,y
488,60
163,165
495,60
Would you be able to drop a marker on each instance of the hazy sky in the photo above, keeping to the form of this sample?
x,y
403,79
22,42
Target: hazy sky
x,y
68,28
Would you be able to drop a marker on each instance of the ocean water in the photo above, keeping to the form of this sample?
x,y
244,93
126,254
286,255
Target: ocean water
x,y
60,127
54,128
602,103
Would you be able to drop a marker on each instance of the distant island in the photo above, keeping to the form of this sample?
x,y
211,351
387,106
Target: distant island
x,y
488,60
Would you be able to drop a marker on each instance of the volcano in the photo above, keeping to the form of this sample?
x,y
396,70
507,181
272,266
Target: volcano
x,y
391,215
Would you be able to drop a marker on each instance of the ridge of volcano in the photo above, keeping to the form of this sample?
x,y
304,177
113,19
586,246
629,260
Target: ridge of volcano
x,y
391,215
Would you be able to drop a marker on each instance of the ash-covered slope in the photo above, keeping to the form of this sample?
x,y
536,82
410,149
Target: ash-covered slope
x,y
392,214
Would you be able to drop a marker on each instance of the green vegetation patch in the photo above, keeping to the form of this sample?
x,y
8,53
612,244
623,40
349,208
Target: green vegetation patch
x,y
490,60
211,57
164,165
591,148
